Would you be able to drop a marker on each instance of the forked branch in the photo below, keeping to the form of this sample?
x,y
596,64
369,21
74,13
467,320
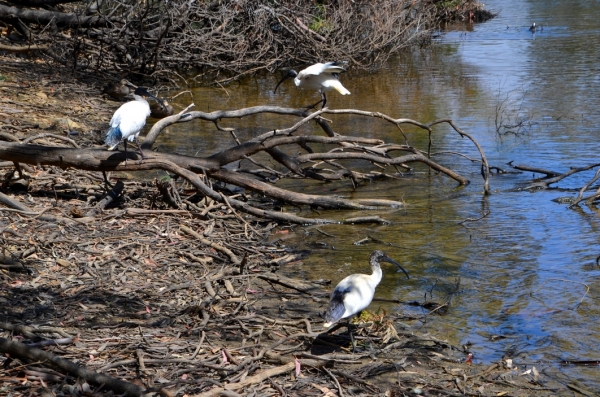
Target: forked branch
x,y
342,152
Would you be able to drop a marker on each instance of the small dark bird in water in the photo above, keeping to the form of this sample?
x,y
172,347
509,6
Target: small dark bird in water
x,y
128,121
535,28
159,111
119,90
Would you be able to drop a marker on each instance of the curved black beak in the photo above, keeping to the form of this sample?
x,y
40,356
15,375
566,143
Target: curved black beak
x,y
162,104
290,74
390,260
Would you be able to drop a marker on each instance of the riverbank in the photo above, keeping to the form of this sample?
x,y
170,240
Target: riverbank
x,y
182,302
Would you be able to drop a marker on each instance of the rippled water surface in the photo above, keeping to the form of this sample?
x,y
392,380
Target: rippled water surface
x,y
524,268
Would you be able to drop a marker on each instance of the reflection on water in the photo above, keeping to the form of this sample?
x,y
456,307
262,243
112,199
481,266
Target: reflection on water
x,y
524,267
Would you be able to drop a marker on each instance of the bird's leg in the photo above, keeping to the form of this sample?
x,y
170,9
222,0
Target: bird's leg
x,y
334,328
323,99
106,181
352,341
139,147
314,105
125,144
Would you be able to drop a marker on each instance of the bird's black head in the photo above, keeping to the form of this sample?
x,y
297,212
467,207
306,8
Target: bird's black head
x,y
379,256
289,75
143,92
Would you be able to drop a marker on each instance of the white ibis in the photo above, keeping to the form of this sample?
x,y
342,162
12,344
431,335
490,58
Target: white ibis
x,y
354,293
322,77
128,121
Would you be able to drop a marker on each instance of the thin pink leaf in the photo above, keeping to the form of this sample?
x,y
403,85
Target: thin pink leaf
x,y
224,357
297,362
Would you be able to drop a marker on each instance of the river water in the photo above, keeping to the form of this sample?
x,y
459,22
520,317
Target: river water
x,y
524,269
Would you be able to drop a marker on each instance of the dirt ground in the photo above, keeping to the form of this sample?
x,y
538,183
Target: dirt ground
x,y
185,302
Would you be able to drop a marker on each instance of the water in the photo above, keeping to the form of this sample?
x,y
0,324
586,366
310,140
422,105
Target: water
x,y
524,261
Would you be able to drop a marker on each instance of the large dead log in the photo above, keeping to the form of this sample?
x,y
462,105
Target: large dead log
x,y
103,160
40,3
45,17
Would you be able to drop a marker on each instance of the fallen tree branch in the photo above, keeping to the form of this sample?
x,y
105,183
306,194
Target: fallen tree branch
x,y
46,17
306,163
23,48
266,374
28,354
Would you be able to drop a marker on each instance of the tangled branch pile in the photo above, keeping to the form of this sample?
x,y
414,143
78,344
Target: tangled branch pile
x,y
147,38
336,161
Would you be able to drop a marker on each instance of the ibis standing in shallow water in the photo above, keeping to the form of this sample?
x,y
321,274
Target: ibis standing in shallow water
x,y
128,121
355,293
322,77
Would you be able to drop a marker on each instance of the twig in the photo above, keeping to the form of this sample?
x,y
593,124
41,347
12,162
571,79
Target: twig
x,y
258,378
332,376
216,246
587,288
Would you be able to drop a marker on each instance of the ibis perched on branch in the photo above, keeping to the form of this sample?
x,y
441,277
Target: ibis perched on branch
x,y
128,121
354,293
322,77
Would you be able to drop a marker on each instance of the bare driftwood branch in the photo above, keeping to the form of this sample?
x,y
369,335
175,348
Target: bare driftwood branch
x,y
23,48
40,3
544,184
28,354
46,17
340,152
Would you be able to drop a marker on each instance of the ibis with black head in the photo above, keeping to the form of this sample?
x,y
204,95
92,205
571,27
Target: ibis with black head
x,y
323,77
128,121
355,293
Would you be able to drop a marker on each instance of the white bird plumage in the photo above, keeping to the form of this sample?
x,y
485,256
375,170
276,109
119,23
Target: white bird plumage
x,y
355,292
322,77
128,121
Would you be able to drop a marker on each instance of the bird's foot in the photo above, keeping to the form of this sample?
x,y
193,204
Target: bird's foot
x,y
313,106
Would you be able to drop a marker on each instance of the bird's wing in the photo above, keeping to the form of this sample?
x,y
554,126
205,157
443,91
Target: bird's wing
x,y
333,67
334,84
322,68
116,118
131,118
336,308
113,137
